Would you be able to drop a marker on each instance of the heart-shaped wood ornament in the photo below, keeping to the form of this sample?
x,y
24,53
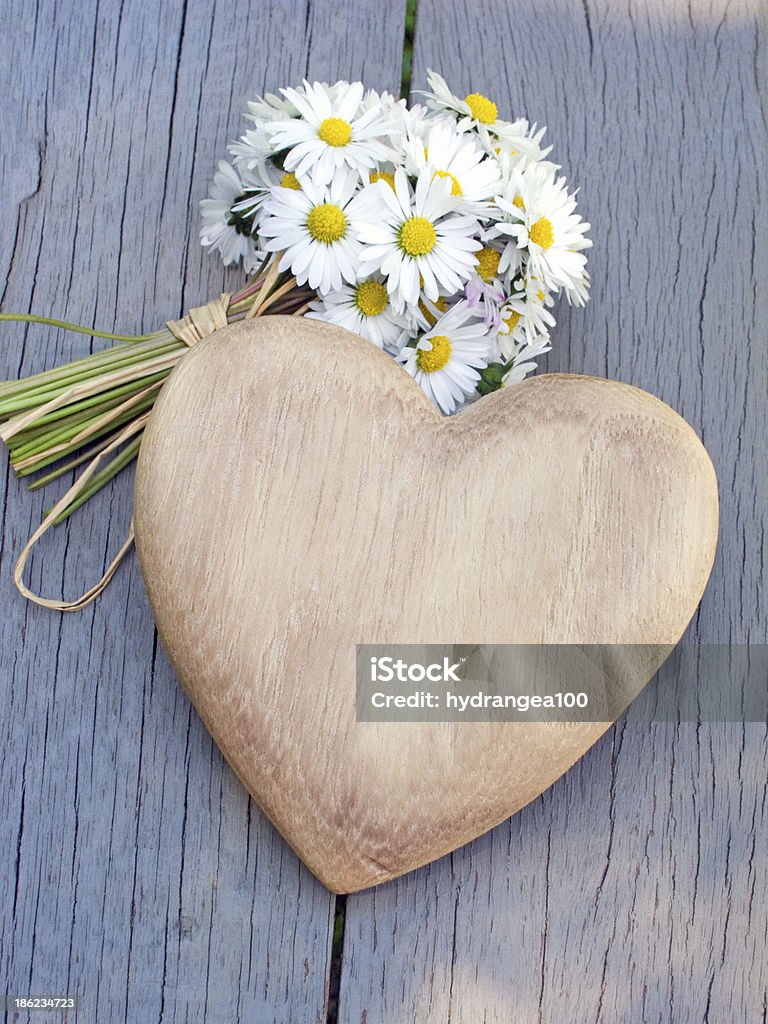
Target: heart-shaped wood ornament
x,y
298,494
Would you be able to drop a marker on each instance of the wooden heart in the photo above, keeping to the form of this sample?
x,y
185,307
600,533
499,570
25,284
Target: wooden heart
x,y
297,494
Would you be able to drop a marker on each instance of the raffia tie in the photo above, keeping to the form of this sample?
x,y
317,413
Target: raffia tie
x,y
201,321
196,325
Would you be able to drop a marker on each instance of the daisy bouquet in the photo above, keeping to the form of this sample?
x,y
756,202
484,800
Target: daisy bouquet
x,y
438,232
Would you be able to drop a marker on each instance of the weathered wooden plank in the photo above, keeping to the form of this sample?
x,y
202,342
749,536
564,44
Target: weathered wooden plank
x,y
135,872
632,890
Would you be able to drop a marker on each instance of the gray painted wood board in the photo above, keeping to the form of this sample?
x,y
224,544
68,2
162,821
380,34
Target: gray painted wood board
x,y
634,890
136,874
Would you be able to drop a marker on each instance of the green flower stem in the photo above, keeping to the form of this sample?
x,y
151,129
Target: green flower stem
x,y
58,456
41,389
98,400
242,303
87,389
119,421
57,381
26,442
32,318
71,428
38,440
84,369
29,443
44,417
254,285
243,298
113,467
239,307
87,455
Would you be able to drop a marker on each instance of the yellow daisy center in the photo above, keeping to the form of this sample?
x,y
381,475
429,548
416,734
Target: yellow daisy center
x,y
326,223
335,131
481,108
371,298
429,316
387,176
540,295
455,186
488,263
541,233
417,236
518,202
512,320
434,359
289,180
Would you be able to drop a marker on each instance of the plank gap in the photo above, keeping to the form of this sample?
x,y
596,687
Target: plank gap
x,y
337,955
408,37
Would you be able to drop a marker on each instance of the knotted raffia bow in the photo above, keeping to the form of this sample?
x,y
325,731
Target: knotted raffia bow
x,y
199,323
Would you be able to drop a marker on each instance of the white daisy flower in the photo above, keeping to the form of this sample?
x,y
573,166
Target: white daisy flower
x,y
475,177
534,291
524,320
254,146
365,309
270,108
485,291
512,255
418,121
332,132
577,292
541,220
258,182
525,361
254,150
425,314
475,110
446,360
515,141
224,230
393,108
413,236
384,172
314,226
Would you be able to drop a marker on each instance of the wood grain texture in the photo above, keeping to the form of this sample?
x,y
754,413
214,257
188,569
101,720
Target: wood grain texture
x,y
297,493
633,890
135,872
